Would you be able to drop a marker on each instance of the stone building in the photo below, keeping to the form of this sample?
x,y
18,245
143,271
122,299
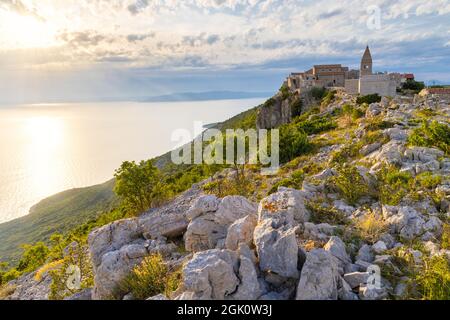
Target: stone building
x,y
366,63
324,75
362,81
383,84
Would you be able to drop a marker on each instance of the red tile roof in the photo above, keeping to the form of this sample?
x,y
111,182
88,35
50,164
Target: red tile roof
x,y
439,90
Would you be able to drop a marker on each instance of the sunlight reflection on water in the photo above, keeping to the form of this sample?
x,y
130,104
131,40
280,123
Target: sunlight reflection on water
x,y
45,149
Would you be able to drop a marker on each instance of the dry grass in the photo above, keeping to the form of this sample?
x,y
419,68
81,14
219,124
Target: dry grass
x,y
371,227
48,267
6,291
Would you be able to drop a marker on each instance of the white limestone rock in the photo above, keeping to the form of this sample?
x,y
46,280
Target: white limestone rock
x,y
319,278
277,248
336,247
241,232
202,205
211,274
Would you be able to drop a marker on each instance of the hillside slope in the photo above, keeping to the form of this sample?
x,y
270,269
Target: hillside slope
x,y
58,213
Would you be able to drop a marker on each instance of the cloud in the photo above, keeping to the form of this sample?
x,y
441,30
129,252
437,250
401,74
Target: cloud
x,y
201,39
140,37
82,39
138,6
19,7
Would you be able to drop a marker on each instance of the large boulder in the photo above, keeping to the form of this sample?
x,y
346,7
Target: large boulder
x,y
204,204
288,204
249,287
114,267
405,221
241,232
232,208
112,237
319,278
208,229
211,274
203,233
337,249
28,287
277,248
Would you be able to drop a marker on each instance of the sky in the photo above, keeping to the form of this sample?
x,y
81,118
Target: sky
x,y
88,49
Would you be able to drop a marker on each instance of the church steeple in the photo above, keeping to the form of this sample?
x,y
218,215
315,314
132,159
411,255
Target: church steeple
x,y
366,63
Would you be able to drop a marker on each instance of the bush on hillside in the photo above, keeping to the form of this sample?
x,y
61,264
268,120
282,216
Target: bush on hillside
x,y
432,134
150,278
318,93
370,98
293,142
433,279
350,184
139,186
393,185
317,125
413,85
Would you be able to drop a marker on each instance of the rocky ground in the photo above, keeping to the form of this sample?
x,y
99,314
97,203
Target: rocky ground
x,y
280,247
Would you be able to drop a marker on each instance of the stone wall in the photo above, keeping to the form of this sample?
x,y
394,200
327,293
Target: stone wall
x,y
352,86
380,84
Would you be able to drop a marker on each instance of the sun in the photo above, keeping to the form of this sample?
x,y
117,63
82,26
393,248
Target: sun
x,y
25,31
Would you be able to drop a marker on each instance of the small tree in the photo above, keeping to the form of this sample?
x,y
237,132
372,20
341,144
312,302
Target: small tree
x,y
139,185
33,257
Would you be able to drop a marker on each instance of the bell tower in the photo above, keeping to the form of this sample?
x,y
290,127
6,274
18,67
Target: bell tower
x,y
366,63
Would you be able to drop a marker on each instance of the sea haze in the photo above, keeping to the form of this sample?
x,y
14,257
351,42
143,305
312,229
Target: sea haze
x,y
49,148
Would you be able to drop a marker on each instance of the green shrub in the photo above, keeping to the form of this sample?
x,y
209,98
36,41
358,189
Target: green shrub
x,y
324,214
317,125
427,180
377,123
33,257
328,98
445,242
297,108
284,92
432,134
294,181
350,184
78,256
318,93
150,278
413,85
139,186
240,184
371,98
393,185
293,142
433,280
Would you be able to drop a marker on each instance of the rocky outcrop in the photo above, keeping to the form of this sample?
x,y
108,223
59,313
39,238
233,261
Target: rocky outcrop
x,y
211,219
28,287
273,113
116,248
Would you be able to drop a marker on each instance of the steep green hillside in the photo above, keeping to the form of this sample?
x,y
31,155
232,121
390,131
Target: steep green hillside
x,y
59,213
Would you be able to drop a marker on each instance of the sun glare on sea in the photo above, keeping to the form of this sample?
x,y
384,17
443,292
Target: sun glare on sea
x,y
45,138
26,31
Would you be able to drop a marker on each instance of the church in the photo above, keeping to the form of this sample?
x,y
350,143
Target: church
x,y
362,81
383,84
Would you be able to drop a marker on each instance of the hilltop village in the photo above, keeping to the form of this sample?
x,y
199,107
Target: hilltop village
x,y
362,81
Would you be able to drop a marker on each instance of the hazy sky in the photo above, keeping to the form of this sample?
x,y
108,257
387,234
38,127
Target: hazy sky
x,y
57,49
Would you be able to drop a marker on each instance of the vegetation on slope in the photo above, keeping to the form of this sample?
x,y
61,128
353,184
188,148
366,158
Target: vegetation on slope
x,y
57,214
